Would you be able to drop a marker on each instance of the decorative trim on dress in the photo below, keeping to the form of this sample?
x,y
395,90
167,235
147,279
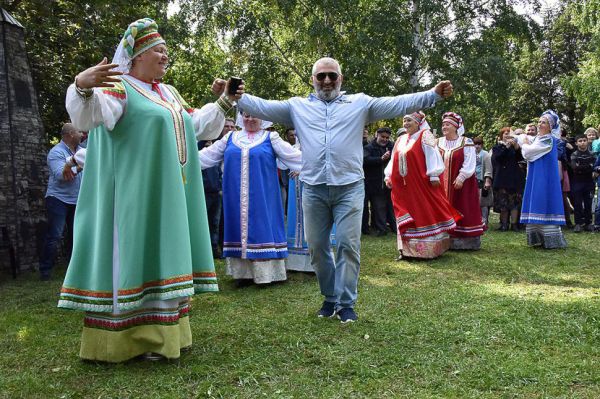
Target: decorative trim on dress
x,y
140,317
299,228
102,301
431,230
447,156
178,122
540,218
244,194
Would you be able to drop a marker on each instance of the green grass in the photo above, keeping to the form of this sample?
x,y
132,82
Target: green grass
x,y
507,321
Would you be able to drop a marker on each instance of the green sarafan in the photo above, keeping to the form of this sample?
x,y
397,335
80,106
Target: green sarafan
x,y
505,321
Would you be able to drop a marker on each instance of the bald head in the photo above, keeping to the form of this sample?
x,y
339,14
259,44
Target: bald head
x,y
70,135
326,61
67,128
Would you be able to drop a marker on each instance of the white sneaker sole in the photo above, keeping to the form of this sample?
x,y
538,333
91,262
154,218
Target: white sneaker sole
x,y
345,322
320,316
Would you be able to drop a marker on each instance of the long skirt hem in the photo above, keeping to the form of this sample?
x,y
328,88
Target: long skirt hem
x,y
261,272
546,236
425,248
112,346
298,261
465,243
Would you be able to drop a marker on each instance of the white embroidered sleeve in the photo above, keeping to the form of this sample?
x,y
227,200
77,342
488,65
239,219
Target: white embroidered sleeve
x,y
288,155
540,146
208,122
387,172
213,155
100,108
433,159
468,168
79,157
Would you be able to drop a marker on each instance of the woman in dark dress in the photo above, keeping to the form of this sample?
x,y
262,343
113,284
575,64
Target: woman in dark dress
x,y
509,179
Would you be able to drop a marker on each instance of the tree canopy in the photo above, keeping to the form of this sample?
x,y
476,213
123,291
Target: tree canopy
x,y
505,66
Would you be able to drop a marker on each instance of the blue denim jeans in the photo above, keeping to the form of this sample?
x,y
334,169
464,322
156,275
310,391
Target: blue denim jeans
x,y
59,214
324,205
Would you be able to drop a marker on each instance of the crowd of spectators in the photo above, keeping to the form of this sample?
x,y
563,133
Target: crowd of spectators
x,y
501,172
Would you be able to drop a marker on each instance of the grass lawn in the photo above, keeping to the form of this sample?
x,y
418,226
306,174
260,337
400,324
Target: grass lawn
x,y
507,321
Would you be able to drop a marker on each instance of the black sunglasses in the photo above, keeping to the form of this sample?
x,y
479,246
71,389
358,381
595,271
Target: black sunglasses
x,y
333,76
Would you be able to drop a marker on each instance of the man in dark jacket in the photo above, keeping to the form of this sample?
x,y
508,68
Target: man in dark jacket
x,y
377,154
365,217
213,194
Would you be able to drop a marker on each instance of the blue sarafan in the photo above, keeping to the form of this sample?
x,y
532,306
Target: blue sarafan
x,y
252,206
542,201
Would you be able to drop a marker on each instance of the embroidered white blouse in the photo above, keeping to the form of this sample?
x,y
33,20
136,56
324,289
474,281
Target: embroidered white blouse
x,y
102,108
534,149
468,167
433,159
285,153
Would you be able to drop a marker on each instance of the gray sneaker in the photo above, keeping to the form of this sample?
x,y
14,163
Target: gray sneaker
x,y
577,228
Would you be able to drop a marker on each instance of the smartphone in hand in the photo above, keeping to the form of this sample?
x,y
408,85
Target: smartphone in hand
x,y
234,84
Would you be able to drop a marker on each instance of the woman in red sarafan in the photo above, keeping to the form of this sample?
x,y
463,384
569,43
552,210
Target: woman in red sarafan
x,y
423,214
460,182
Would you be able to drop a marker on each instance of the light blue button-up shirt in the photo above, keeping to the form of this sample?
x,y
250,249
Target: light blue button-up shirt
x,y
330,133
66,191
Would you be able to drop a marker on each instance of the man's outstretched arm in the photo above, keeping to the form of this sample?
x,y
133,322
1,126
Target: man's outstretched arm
x,y
268,110
394,107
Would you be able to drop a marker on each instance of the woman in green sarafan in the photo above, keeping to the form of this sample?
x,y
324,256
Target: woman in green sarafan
x,y
142,244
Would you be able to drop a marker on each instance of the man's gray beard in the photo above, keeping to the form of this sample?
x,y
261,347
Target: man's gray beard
x,y
327,96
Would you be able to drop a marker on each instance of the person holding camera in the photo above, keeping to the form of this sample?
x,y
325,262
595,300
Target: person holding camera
x,y
508,179
142,244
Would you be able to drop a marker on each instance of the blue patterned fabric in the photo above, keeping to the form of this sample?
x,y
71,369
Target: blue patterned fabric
x,y
542,201
260,212
295,223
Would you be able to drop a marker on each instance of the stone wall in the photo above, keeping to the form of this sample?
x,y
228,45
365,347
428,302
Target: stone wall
x,y
23,171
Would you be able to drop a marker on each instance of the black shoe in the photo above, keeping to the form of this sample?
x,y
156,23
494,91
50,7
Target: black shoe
x,y
243,282
327,310
577,228
152,357
381,233
45,276
514,227
347,315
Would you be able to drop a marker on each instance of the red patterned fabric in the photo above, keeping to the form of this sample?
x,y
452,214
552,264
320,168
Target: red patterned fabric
x,y
421,209
465,200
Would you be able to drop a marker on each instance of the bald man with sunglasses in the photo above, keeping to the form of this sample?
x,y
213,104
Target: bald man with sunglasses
x,y
329,125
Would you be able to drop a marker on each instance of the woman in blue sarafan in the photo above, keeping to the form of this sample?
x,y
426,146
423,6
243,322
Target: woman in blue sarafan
x,y
542,210
255,245
298,256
